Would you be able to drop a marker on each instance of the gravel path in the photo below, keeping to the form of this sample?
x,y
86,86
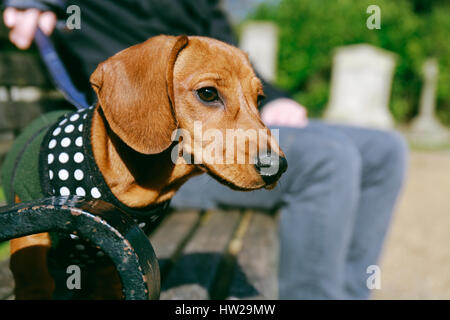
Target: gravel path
x,y
416,259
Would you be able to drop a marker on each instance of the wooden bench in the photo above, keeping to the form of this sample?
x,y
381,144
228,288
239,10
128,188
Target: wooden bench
x,y
217,255
229,254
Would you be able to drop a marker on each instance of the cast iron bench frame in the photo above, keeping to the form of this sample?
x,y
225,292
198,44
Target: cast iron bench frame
x,y
102,225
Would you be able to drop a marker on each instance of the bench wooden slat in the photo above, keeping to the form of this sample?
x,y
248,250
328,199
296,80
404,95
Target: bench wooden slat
x,y
193,249
255,275
6,280
22,69
171,233
194,274
16,115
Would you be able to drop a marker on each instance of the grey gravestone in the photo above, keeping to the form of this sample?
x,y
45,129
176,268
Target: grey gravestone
x,y
425,128
361,86
260,41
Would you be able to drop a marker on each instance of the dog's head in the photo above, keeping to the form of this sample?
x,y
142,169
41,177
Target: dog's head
x,y
199,87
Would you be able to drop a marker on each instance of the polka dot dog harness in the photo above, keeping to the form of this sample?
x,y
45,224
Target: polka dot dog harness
x,y
67,167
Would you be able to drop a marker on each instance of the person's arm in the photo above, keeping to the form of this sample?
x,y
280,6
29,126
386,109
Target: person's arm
x,y
23,17
56,6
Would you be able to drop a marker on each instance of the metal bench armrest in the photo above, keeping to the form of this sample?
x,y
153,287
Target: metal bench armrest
x,y
99,222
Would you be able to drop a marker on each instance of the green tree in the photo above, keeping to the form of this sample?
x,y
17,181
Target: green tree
x,y
311,30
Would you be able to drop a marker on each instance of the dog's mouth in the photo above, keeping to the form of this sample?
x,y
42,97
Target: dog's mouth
x,y
271,186
229,183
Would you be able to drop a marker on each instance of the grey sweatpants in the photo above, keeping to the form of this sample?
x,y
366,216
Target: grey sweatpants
x,y
336,199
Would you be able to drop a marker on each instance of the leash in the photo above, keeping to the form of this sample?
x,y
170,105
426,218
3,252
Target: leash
x,y
63,82
58,72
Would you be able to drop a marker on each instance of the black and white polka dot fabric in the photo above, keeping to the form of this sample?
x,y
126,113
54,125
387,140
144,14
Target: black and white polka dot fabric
x,y
65,158
67,167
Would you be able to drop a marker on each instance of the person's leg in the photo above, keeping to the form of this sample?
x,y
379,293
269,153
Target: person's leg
x,y
319,195
384,157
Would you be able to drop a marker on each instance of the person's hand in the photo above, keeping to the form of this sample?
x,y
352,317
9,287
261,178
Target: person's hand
x,y
285,113
24,23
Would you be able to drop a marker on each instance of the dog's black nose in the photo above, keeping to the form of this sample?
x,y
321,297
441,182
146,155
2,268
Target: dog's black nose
x,y
270,167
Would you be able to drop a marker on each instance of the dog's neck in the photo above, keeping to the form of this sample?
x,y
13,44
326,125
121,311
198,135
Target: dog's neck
x,y
137,180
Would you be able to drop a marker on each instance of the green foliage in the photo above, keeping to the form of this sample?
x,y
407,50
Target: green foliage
x,y
4,246
310,30
4,250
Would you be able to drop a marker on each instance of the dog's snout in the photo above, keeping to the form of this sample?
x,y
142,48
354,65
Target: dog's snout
x,y
270,167
283,164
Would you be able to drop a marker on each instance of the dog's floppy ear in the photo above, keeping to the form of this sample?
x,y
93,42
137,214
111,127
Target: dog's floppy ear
x,y
135,92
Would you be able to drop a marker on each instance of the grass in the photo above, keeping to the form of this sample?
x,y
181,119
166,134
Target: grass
x,y
2,195
431,148
4,250
416,145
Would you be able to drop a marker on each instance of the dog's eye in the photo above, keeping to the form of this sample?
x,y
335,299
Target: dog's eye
x,y
208,94
260,99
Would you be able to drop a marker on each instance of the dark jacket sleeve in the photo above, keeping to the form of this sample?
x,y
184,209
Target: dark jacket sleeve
x,y
220,28
57,6
115,24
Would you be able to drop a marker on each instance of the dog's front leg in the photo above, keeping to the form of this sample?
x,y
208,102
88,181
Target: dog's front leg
x,y
107,284
29,266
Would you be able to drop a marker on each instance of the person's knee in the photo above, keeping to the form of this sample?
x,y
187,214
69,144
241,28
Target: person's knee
x,y
323,156
396,148
391,154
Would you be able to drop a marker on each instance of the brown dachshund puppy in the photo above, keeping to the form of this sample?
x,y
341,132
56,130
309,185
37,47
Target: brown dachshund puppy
x,y
145,94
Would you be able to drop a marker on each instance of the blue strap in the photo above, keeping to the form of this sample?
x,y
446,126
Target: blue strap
x,y
58,72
